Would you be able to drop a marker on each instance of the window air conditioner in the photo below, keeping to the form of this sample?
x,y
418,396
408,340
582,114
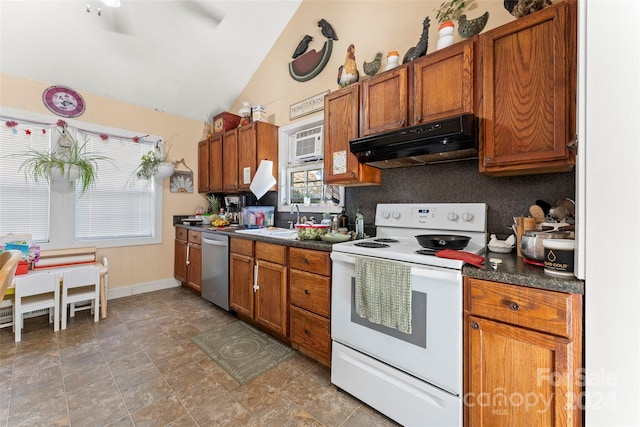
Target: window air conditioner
x,y
307,145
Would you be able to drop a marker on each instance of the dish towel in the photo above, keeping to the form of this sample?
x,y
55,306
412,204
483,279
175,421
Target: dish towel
x,y
383,293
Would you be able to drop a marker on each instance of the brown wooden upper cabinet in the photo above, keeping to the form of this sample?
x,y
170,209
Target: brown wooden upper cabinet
x,y
385,102
341,123
527,105
256,141
210,165
443,83
230,160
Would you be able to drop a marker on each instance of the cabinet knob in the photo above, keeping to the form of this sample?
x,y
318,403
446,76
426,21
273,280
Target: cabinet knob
x,y
306,261
514,306
306,292
474,325
487,159
307,332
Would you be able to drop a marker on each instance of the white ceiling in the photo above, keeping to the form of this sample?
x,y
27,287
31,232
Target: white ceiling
x,y
186,57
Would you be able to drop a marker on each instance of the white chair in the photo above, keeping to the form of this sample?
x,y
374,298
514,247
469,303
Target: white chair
x,y
80,284
36,291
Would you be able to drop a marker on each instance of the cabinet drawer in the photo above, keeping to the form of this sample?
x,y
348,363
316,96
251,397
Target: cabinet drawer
x,y
310,291
181,233
195,237
271,252
542,310
311,332
309,260
242,246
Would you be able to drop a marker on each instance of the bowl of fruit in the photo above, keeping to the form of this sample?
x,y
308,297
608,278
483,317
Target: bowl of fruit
x,y
311,231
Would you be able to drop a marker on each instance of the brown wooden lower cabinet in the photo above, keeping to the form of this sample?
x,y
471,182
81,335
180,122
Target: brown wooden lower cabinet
x,y
310,308
188,258
522,356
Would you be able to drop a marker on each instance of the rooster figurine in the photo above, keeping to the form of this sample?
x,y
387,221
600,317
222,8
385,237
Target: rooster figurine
x,y
348,73
370,68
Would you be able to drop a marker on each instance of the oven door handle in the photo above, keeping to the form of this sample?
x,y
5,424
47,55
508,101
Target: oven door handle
x,y
340,257
448,275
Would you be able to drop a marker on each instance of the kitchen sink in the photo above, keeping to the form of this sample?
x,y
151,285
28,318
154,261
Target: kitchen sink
x,y
279,233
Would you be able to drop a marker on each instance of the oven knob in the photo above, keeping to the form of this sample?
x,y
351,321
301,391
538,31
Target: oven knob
x,y
386,214
452,216
396,215
467,216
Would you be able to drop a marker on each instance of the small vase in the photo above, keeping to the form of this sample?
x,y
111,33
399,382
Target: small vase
x,y
70,174
445,31
165,170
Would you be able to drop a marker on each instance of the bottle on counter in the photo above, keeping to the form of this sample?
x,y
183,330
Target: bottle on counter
x,y
343,220
359,224
334,224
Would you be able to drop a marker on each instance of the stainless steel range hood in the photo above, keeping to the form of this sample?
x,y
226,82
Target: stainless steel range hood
x,y
442,141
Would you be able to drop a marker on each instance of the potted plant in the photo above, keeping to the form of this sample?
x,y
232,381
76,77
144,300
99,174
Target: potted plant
x,y
446,13
68,161
155,164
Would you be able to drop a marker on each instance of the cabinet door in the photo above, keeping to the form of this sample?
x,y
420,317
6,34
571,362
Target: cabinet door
x,y
341,116
215,164
517,377
527,105
247,154
180,260
203,166
194,268
443,83
230,161
385,102
241,284
271,296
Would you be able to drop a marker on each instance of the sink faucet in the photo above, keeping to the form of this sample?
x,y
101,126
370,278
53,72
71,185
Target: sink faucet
x,y
295,205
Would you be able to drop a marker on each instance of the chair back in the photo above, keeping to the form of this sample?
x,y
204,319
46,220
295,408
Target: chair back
x,y
8,263
37,284
81,276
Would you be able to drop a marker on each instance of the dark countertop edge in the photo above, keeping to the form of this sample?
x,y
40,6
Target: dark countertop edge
x,y
512,270
318,245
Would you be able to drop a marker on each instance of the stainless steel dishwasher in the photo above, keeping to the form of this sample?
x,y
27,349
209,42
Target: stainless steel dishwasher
x,y
215,269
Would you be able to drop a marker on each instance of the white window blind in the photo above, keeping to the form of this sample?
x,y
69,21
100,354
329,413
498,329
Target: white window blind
x,y
119,205
24,203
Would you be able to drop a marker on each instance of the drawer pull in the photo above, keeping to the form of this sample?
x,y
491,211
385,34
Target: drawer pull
x,y
306,292
474,325
306,260
306,331
514,306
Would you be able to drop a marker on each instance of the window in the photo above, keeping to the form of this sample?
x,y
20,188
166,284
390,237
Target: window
x,y
119,210
300,181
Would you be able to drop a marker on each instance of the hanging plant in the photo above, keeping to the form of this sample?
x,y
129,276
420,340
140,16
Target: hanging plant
x,y
155,164
68,161
450,10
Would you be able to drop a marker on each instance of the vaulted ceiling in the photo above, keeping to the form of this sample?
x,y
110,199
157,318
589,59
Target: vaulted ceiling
x,y
186,57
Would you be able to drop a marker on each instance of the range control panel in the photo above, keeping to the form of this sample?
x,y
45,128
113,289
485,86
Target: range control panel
x,y
435,216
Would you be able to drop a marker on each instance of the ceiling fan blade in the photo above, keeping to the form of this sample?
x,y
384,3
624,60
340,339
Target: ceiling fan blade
x,y
208,13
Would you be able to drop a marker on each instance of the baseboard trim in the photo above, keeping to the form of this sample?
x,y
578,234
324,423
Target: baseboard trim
x,y
142,288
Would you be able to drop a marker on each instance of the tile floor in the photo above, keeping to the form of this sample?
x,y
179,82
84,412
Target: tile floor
x,y
139,367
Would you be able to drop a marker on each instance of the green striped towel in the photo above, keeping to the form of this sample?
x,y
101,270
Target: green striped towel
x,y
383,293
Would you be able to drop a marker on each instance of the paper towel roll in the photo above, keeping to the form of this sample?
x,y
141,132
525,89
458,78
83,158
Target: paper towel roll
x,y
263,179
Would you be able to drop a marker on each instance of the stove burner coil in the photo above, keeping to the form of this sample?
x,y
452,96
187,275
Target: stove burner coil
x,y
371,245
426,251
386,240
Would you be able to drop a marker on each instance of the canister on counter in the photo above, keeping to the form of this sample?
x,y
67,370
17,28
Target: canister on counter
x,y
559,256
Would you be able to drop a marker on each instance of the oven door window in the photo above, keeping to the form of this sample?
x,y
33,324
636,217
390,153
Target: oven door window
x,y
418,334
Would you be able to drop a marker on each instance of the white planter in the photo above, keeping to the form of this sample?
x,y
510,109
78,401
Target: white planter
x,y
445,31
165,170
71,173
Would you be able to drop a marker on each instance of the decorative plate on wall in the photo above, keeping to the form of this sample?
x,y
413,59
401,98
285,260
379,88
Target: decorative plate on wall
x,y
63,101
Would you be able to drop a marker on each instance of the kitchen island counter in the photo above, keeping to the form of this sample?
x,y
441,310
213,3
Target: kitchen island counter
x,y
513,270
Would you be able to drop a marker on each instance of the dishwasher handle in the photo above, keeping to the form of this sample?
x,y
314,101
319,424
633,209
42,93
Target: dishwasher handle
x,y
214,242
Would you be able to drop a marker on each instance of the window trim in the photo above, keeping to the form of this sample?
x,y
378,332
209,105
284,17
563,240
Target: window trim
x,y
284,135
62,204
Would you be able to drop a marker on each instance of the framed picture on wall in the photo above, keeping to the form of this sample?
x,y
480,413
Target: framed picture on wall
x,y
182,182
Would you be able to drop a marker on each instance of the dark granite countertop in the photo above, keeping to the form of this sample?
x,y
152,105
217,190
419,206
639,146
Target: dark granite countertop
x,y
512,270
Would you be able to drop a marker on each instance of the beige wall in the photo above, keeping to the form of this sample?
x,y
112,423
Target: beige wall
x,y
129,265
372,26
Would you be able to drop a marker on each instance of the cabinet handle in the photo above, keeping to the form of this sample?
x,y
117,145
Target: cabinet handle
x,y
306,261
418,119
474,325
306,292
306,331
514,306
188,262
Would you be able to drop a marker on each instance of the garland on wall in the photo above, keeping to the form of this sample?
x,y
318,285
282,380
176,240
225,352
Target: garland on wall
x,y
12,124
